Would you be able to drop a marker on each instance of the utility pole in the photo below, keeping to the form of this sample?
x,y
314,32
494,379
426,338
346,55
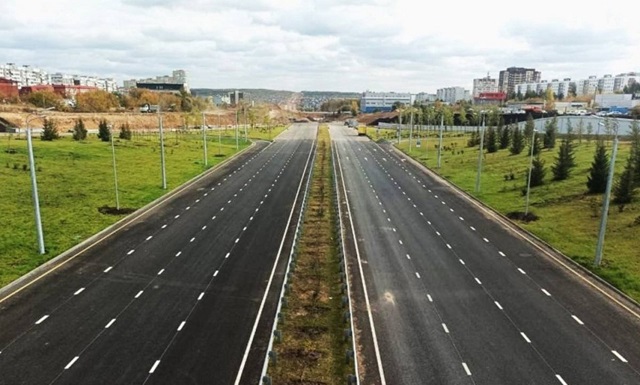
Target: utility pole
x,y
115,171
440,142
605,205
162,161
204,140
480,157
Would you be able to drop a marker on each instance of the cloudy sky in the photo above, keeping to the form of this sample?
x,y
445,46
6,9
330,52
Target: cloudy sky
x,y
324,45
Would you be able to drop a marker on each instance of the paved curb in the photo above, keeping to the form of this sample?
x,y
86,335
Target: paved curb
x,y
575,267
41,271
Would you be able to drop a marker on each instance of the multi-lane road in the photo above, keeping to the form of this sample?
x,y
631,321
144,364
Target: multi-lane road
x,y
458,298
445,291
184,294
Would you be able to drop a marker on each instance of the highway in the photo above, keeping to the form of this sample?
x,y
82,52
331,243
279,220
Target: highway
x,y
457,297
184,294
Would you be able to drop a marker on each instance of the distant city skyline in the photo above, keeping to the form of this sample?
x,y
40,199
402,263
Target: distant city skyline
x,y
323,45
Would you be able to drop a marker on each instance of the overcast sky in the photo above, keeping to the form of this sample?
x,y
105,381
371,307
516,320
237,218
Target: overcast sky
x,y
324,45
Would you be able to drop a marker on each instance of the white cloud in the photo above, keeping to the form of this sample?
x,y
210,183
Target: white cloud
x,y
345,45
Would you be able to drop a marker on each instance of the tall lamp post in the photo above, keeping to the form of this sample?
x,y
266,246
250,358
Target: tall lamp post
x,y
115,170
34,184
480,156
162,161
526,205
204,139
440,141
605,205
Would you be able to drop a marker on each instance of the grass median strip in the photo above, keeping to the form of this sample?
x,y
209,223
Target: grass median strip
x,y
313,345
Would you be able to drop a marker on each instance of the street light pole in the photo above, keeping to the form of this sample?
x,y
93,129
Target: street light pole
x,y
605,205
162,161
204,140
237,144
526,205
411,129
34,191
115,171
440,142
480,157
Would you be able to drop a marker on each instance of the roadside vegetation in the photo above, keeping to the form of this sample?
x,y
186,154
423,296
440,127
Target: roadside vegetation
x,y
76,183
568,180
313,347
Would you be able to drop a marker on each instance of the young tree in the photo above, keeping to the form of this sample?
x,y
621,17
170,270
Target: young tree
x,y
624,192
79,130
505,137
599,171
635,150
528,128
490,139
538,172
517,141
551,128
104,133
589,132
125,132
50,131
565,161
580,131
474,140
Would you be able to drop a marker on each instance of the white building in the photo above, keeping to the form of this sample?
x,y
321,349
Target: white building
x,y
485,84
24,75
624,80
424,97
383,101
451,95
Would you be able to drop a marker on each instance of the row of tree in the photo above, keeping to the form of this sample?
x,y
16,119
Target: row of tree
x,y
516,140
102,101
80,132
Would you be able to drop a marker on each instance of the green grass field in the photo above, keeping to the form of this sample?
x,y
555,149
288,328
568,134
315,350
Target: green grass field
x,y
569,218
75,179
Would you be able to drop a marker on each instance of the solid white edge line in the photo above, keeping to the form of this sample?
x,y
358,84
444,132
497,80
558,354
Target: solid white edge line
x,y
153,368
273,271
70,364
619,356
578,320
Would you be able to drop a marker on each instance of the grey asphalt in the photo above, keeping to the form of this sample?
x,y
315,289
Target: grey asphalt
x,y
458,298
173,297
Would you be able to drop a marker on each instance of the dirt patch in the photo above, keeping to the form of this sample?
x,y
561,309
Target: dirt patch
x,y
520,216
114,211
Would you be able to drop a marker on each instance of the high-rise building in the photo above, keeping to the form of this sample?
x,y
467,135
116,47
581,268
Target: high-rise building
x,y
484,85
451,95
513,76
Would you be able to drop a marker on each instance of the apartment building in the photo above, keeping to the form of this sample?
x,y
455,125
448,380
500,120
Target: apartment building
x,y
451,95
24,75
484,85
513,76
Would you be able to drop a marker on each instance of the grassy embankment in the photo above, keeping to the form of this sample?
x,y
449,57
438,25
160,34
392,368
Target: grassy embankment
x,y
568,217
312,350
75,179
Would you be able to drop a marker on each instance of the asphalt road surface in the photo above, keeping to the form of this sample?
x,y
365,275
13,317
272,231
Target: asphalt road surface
x,y
179,296
457,298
